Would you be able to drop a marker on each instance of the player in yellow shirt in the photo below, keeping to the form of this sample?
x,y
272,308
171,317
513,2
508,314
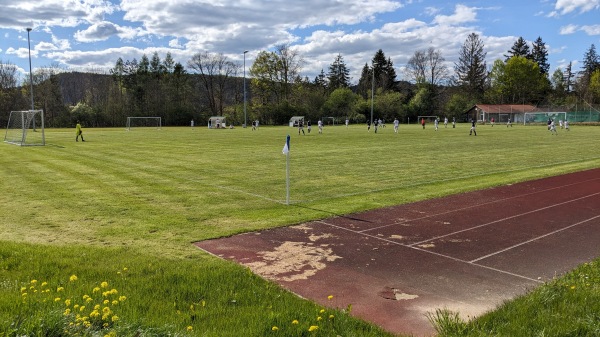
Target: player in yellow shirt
x,y
78,132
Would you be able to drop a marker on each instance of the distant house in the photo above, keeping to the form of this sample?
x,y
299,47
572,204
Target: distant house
x,y
500,112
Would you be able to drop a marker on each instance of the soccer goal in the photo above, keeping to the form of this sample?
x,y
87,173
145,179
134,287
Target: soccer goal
x,y
25,128
428,119
542,117
144,122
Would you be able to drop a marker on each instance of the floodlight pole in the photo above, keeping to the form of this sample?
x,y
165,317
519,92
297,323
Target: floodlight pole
x,y
245,118
372,94
30,72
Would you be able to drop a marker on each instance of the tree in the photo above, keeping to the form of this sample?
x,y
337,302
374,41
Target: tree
x,y
385,75
471,68
569,77
427,66
539,54
365,82
338,75
519,48
518,81
213,70
591,62
594,86
340,103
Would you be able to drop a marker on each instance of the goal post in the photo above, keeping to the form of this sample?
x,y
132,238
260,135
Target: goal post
x,y
144,122
25,128
530,118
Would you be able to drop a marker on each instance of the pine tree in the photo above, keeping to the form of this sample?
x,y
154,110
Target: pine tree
x,y
471,68
364,83
338,75
520,48
591,62
539,53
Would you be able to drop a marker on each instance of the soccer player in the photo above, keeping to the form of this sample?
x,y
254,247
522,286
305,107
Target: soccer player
x,y
445,122
453,122
567,125
78,132
493,121
301,127
192,123
308,126
552,128
560,123
423,122
508,123
396,124
472,128
320,125
347,122
435,123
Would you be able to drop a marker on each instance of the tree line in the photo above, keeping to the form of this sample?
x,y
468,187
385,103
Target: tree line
x,y
212,85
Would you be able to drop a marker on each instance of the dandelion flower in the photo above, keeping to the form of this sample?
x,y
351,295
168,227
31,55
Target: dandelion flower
x,y
33,281
59,289
331,316
319,318
67,312
572,287
82,308
190,328
105,302
115,318
44,284
73,278
67,302
95,290
122,298
115,302
125,269
330,297
295,321
322,311
57,299
24,294
23,289
274,328
104,284
312,328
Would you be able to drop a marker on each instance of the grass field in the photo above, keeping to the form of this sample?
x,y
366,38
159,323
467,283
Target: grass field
x,y
124,207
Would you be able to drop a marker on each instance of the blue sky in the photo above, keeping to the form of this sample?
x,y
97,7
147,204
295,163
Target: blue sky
x,y
89,35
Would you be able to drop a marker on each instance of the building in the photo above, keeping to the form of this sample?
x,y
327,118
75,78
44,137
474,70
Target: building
x,y
484,113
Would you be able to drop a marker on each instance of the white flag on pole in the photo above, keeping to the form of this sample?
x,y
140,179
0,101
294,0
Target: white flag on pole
x,y
286,147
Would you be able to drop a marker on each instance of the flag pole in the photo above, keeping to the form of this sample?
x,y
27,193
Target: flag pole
x,y
286,151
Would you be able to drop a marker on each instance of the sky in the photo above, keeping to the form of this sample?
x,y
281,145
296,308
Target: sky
x,y
90,35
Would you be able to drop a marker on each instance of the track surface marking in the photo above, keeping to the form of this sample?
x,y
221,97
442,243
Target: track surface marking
x,y
467,252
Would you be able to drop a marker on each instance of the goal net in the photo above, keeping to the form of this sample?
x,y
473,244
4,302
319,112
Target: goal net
x,y
428,119
25,128
144,122
542,117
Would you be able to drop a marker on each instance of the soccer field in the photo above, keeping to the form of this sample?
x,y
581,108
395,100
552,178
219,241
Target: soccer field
x,y
168,187
137,200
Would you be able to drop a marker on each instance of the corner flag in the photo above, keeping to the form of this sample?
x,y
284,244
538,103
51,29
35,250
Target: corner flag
x,y
286,147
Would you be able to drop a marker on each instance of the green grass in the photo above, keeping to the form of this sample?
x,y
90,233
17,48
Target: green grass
x,y
139,199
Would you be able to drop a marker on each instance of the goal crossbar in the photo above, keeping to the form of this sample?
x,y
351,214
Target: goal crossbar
x,y
144,122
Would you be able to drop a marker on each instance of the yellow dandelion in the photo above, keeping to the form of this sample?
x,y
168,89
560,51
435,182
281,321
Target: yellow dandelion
x,y
115,318
203,303
105,325
319,318
57,299
105,317
82,308
23,289
189,328
33,282
67,302
114,291
572,287
67,312
191,307
95,290
104,284
85,297
322,311
330,297
122,298
59,289
105,302
106,310
312,328
73,278
94,314
125,269
24,294
295,321
76,306
115,302
274,328
331,316
44,284
89,299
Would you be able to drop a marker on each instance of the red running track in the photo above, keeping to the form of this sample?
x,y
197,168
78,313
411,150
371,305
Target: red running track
x,y
467,252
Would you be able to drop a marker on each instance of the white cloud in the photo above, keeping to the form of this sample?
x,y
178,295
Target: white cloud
x,y
568,6
568,29
591,30
462,14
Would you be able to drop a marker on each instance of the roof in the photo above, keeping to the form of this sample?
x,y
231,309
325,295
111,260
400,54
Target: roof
x,y
505,108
